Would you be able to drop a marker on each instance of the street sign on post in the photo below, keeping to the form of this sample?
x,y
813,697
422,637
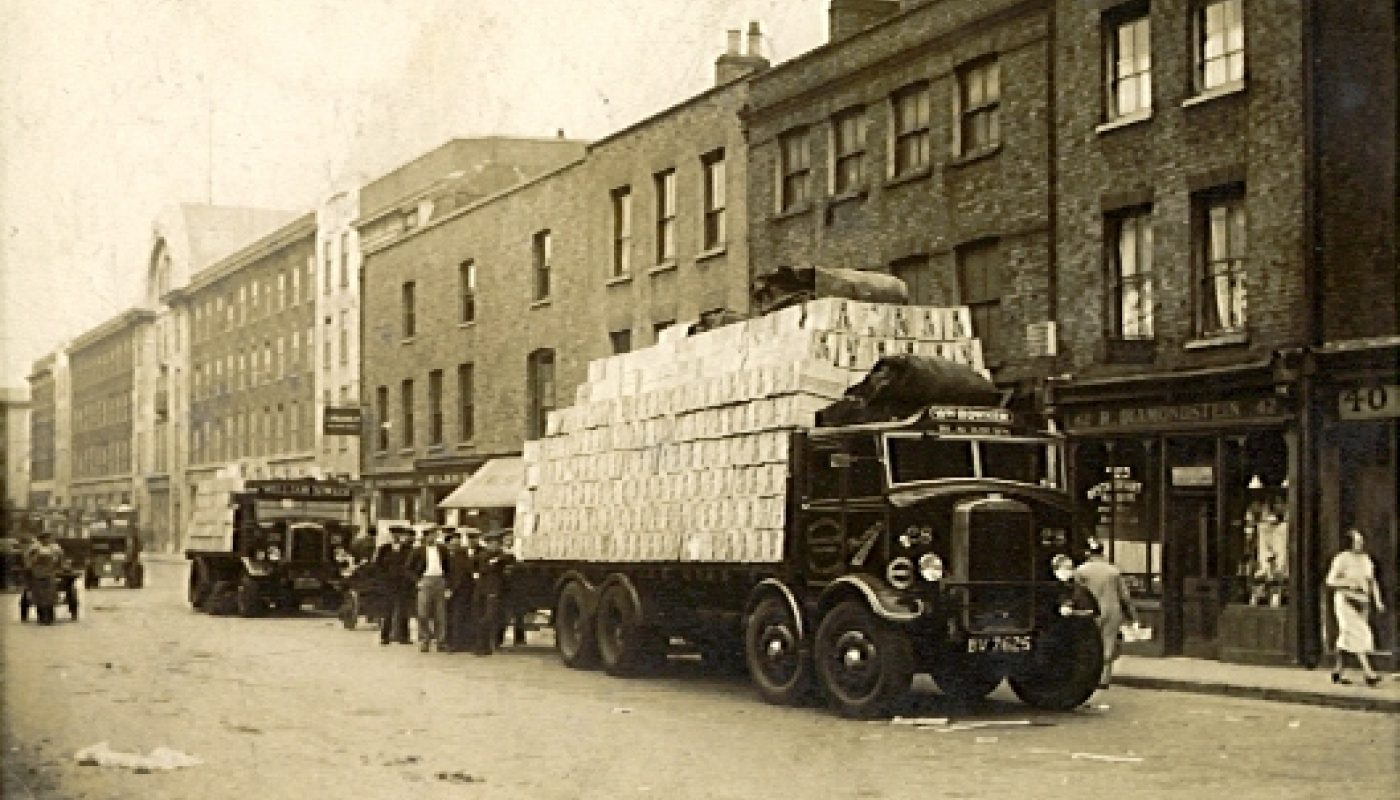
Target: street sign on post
x,y
346,421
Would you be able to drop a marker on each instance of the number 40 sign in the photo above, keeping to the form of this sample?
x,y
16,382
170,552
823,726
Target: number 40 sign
x,y
1369,402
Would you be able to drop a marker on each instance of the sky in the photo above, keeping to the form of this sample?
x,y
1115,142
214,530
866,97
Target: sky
x,y
112,110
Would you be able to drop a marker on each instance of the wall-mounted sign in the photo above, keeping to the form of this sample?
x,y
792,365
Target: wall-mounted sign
x,y
1181,415
341,421
1193,476
1369,402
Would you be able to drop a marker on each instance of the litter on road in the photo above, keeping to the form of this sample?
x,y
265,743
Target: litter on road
x,y
1108,758
161,758
919,721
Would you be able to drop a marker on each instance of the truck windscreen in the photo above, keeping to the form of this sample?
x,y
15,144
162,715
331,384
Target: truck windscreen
x,y
916,458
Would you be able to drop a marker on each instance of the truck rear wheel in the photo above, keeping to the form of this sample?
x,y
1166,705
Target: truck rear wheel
x,y
626,646
248,597
1066,671
573,628
135,576
781,672
863,662
964,678
199,588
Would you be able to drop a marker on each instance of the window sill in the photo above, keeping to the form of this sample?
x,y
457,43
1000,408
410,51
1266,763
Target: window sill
x,y
1226,90
714,252
1217,340
1125,121
910,177
466,325
847,196
796,211
976,155
467,445
1129,351
665,266
406,451
618,280
405,340
543,303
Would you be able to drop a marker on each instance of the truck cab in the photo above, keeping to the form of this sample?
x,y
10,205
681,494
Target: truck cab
x,y
928,545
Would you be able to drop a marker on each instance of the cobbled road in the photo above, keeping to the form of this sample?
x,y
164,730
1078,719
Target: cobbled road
x,y
298,707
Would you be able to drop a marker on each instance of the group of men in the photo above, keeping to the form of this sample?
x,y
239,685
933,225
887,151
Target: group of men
x,y
453,582
41,567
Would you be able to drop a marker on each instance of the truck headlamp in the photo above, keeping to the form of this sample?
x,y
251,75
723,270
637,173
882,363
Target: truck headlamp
x,y
274,553
259,555
931,567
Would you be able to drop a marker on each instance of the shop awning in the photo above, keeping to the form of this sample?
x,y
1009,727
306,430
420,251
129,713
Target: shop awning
x,y
495,485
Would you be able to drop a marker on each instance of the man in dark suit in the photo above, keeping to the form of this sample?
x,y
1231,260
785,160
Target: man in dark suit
x,y
461,582
391,561
490,592
427,567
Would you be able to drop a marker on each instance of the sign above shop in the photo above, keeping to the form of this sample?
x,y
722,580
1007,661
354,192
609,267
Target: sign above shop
x,y
1193,476
344,421
1369,402
1181,415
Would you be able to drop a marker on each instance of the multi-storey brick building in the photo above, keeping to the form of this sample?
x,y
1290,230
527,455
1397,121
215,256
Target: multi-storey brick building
x,y
483,317
1139,200
49,431
103,362
14,453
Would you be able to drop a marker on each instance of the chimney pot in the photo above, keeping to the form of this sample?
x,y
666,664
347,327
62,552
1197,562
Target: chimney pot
x,y
755,38
734,42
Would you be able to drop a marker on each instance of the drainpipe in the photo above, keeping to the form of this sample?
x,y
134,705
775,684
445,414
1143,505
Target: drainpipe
x,y
1309,589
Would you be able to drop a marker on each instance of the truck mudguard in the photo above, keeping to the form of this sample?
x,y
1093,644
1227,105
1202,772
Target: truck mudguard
x,y
254,568
883,599
769,586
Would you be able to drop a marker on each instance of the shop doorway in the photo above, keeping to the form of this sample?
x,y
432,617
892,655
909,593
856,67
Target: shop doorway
x,y
1193,530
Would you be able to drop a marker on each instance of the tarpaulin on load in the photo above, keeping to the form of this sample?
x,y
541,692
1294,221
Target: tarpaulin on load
x,y
902,384
786,286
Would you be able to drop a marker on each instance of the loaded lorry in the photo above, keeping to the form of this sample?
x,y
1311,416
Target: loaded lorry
x,y
256,544
831,496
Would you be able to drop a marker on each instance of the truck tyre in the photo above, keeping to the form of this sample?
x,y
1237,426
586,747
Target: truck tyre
x,y
201,589
780,669
626,647
349,612
863,662
135,576
573,628
90,578
248,597
963,678
1066,670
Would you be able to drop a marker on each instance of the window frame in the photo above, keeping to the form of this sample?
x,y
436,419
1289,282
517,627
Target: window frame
x,y
794,174
1128,16
381,403
664,184
541,391
466,402
1201,60
848,149
542,252
408,300
917,130
988,315
987,69
466,284
406,413
435,421
714,199
621,199
1232,200
1138,219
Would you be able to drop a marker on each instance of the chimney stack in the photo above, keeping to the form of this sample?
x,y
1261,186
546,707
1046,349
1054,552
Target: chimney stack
x,y
846,18
735,64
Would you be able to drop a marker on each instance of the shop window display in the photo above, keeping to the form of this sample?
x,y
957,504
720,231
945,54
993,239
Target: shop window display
x,y
1113,479
1262,563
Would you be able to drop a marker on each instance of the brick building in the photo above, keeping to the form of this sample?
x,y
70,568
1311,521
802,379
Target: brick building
x,y
103,363
482,317
45,486
15,408
1175,223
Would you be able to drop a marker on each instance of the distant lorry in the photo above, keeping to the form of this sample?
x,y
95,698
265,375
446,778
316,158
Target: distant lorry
x,y
255,544
113,546
910,526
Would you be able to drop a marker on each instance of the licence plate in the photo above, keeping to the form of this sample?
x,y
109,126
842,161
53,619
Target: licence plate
x,y
999,644
306,583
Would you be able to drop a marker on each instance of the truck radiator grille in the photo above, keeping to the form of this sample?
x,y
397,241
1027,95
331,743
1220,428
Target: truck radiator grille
x,y
308,544
1001,547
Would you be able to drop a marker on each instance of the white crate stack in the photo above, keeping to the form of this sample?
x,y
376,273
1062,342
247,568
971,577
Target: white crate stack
x,y
679,452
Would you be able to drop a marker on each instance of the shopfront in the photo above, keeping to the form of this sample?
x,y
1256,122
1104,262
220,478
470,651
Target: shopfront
x,y
414,496
1359,453
1193,496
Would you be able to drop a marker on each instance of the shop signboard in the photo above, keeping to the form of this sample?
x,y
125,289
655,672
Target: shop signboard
x,y
1369,402
341,421
1193,476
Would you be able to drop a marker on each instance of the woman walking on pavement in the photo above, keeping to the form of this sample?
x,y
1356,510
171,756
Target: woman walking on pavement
x,y
1352,579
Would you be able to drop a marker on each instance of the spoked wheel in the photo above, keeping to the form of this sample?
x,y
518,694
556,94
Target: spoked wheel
x,y
573,628
1066,668
248,598
864,663
781,672
965,679
350,609
626,647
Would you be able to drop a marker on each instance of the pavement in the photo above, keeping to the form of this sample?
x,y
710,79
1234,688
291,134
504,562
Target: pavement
x,y
1199,676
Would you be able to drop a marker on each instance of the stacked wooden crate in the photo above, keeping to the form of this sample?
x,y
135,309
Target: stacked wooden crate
x,y
679,452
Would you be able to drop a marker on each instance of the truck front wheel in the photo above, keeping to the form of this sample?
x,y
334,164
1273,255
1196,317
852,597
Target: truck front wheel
x,y
781,672
1066,671
200,587
249,597
573,628
864,663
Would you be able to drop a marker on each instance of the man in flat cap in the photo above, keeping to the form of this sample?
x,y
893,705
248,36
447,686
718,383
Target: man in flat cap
x,y
490,592
392,562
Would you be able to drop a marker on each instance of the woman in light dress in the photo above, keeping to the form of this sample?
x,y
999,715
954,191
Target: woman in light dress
x,y
1352,579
